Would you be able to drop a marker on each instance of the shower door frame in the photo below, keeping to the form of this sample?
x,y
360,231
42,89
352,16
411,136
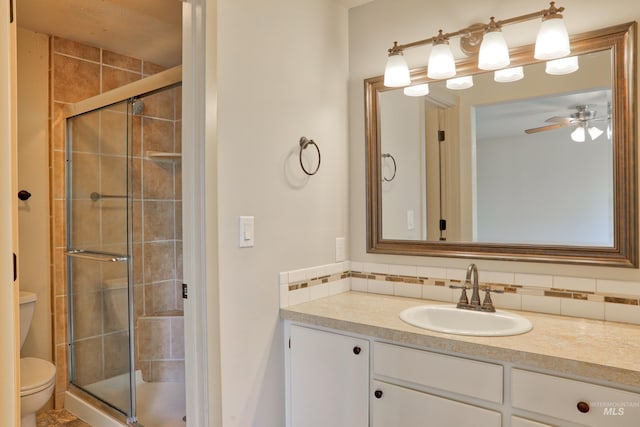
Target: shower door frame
x,y
129,92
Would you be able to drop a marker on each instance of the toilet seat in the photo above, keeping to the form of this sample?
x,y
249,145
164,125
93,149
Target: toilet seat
x,y
35,375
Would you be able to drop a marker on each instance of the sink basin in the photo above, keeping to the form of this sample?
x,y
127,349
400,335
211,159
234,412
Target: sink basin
x,y
452,320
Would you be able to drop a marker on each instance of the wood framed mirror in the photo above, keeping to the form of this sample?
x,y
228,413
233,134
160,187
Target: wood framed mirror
x,y
495,172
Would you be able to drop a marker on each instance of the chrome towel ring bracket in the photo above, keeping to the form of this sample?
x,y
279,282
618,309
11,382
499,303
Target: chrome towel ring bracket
x,y
304,143
395,167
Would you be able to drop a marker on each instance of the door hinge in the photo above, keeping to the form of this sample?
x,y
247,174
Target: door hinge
x,y
440,136
289,342
10,11
185,291
443,225
15,267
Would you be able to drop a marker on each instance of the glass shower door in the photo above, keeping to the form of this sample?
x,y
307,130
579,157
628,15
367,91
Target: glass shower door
x,y
99,256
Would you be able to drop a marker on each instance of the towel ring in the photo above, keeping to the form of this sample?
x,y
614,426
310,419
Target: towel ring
x,y
395,167
304,143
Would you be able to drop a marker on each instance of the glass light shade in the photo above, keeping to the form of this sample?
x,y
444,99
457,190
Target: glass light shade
x,y
458,83
441,63
494,52
417,90
508,75
594,132
553,40
578,134
562,66
396,72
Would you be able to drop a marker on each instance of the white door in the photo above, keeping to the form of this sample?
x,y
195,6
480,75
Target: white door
x,y
9,338
329,379
394,406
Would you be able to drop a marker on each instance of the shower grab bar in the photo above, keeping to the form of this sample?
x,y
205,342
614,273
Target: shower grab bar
x,y
97,196
96,256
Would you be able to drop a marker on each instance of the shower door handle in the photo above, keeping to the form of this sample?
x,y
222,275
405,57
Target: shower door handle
x,y
96,256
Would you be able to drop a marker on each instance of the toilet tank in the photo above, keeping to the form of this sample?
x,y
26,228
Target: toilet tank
x,y
27,307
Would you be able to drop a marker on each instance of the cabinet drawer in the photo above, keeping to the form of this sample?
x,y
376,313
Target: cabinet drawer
x,y
398,406
467,377
560,398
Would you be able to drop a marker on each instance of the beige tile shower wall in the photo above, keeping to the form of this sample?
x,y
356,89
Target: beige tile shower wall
x,y
78,71
160,345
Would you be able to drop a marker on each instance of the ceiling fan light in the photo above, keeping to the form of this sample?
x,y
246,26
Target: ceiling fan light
x,y
396,72
464,82
562,66
494,52
578,134
417,90
508,75
552,41
595,133
441,64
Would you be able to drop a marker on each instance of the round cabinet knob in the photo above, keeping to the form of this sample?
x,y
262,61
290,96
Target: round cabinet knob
x,y
23,195
583,407
356,350
377,394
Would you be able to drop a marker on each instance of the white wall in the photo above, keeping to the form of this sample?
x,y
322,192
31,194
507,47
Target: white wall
x,y
402,136
374,27
282,73
33,176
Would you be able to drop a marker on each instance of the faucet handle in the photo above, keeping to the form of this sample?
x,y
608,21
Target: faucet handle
x,y
463,296
487,304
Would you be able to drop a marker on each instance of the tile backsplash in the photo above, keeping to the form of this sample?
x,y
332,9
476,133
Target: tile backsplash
x,y
590,298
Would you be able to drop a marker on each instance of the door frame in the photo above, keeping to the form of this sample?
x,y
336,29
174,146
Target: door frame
x,y
9,289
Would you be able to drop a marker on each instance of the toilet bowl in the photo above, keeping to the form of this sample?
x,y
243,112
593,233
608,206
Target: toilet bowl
x,y
37,380
37,376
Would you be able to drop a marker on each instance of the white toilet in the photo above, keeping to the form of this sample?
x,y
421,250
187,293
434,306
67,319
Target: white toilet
x,y
37,376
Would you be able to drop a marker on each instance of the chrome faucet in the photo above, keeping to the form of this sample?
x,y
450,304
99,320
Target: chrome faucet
x,y
471,282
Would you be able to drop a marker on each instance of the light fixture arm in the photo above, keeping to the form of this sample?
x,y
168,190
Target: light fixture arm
x,y
551,11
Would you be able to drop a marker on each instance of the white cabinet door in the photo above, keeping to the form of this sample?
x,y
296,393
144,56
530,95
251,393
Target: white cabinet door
x,y
329,379
394,406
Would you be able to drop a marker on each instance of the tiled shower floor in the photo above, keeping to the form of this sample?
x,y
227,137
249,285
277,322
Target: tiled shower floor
x,y
59,418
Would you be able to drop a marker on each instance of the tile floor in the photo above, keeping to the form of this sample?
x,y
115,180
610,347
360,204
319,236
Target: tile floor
x,y
59,418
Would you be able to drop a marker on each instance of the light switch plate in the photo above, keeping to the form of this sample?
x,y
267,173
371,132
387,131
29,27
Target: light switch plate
x,y
246,232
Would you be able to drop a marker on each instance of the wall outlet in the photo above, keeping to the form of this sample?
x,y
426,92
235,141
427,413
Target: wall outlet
x,y
340,255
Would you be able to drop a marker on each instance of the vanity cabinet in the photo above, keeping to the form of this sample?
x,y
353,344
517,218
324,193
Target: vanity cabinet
x,y
574,401
340,380
329,379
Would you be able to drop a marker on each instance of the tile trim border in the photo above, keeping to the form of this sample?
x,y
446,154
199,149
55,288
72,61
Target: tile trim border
x,y
304,285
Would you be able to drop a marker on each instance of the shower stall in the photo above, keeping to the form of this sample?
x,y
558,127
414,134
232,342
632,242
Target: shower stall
x,y
124,256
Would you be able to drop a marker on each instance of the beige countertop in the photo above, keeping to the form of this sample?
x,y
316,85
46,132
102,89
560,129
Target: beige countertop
x,y
601,350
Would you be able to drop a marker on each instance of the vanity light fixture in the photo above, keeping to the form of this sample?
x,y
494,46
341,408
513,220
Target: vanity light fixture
x,y
441,64
508,75
494,52
396,73
552,42
464,82
417,90
561,66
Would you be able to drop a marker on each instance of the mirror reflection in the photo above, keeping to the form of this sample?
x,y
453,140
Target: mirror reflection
x,y
542,141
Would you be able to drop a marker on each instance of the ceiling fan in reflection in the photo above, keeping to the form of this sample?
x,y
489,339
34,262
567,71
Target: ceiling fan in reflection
x,y
581,120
